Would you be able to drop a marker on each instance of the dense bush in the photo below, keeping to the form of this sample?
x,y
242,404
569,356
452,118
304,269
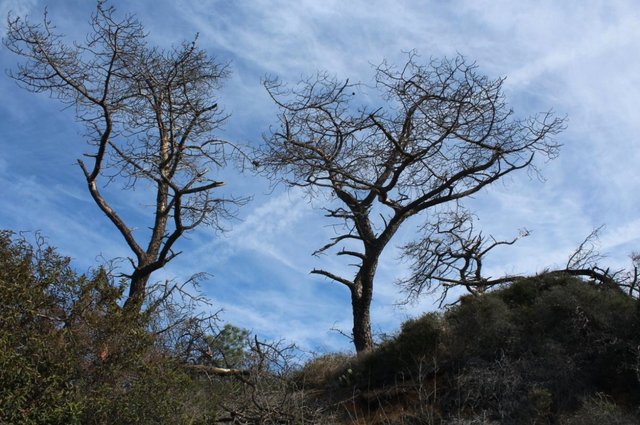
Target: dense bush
x,y
70,354
327,369
533,352
548,349
401,358
537,347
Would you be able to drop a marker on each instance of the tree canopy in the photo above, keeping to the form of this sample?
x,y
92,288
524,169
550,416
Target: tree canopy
x,y
441,132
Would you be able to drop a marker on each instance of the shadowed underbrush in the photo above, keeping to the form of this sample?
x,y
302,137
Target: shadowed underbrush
x,y
549,349
70,353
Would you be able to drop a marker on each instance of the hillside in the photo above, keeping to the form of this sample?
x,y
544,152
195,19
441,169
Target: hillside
x,y
549,349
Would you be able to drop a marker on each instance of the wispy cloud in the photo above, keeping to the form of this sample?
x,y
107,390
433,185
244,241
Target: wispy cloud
x,y
33,205
17,7
271,223
576,58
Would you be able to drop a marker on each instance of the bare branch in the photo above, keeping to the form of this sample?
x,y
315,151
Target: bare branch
x,y
451,254
334,277
586,255
334,242
445,133
149,117
353,254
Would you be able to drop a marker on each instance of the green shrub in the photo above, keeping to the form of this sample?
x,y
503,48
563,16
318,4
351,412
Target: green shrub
x,y
402,357
523,354
70,355
479,329
419,336
325,371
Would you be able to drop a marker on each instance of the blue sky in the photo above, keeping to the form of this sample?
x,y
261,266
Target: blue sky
x,y
580,58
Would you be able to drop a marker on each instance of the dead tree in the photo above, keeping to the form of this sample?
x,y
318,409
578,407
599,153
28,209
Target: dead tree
x,y
630,281
451,255
430,136
149,117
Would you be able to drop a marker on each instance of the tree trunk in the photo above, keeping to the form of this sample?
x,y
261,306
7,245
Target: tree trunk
x,y
362,338
361,296
362,291
137,291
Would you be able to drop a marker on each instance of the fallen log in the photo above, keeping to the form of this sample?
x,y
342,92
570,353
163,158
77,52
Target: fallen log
x,y
219,371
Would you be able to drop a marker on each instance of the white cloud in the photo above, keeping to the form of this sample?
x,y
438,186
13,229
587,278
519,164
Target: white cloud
x,y
574,57
625,237
16,7
271,223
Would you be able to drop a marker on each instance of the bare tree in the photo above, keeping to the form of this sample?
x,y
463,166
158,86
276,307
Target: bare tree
x,y
630,281
149,116
443,133
451,254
